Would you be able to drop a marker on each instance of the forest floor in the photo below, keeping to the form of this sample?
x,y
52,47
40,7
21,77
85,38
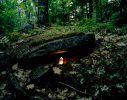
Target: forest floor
x,y
100,76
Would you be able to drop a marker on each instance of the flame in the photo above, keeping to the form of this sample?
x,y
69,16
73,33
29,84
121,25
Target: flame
x,y
61,61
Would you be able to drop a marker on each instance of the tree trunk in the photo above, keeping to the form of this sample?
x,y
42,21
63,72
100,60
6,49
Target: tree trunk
x,y
90,8
123,7
98,10
42,12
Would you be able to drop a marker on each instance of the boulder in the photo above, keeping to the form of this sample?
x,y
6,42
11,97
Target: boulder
x,y
29,55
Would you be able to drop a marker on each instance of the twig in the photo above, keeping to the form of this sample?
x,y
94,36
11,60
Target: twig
x,y
78,90
72,88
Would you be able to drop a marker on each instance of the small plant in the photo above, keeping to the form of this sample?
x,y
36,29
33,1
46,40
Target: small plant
x,y
8,17
15,36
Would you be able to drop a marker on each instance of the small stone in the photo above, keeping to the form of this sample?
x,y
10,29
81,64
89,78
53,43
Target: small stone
x,y
8,93
30,86
20,73
57,70
72,94
3,72
23,79
15,66
58,90
60,97
37,90
28,71
49,95
42,90
65,90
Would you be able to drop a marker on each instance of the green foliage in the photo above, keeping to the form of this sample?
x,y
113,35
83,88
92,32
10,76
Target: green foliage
x,y
28,13
115,12
124,30
8,17
58,11
66,11
90,25
61,12
105,27
118,20
15,36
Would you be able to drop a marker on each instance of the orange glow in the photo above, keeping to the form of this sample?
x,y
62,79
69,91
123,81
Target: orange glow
x,y
61,61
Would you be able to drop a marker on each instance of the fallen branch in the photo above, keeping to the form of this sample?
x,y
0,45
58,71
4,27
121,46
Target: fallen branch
x,y
79,91
72,88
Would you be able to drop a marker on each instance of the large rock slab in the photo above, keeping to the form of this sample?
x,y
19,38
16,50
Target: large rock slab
x,y
32,55
27,55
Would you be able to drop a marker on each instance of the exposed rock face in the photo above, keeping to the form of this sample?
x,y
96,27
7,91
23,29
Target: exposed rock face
x,y
30,55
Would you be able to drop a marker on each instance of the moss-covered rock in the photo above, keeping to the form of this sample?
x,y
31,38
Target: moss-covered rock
x,y
24,51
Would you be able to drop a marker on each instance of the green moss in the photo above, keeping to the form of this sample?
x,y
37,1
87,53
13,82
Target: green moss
x,y
15,36
36,40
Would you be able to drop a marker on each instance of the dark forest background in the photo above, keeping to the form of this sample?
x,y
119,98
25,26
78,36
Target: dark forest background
x,y
17,14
